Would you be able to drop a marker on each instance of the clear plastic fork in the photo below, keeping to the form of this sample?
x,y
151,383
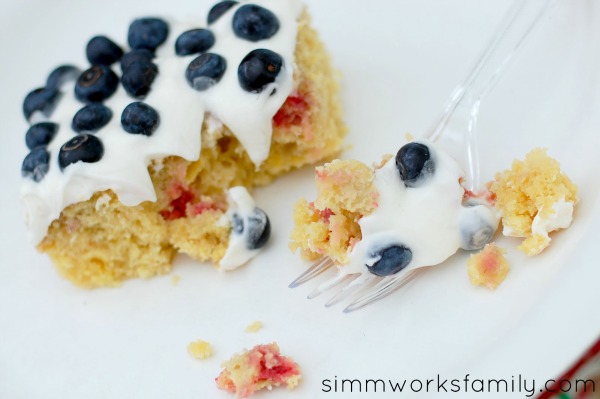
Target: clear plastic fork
x,y
455,130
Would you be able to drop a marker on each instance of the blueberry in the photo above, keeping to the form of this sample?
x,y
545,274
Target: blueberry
x,y
194,41
414,163
259,68
219,9
42,99
40,134
254,23
147,33
138,77
96,84
134,56
100,50
81,148
392,259
61,75
139,118
475,230
259,229
36,164
205,71
91,118
237,223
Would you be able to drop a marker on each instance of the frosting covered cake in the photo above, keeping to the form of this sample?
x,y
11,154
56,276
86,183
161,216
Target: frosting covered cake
x,y
258,368
151,150
407,212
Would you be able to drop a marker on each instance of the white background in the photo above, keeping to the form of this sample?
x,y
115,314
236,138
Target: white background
x,y
399,60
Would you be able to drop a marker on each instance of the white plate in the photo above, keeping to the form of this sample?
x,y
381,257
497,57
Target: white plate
x,y
400,60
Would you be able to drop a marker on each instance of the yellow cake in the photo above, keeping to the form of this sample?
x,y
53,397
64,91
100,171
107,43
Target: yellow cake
x,y
488,267
534,198
101,242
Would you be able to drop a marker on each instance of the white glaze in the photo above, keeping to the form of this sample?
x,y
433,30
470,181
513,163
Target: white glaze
x,y
427,219
561,218
237,254
123,168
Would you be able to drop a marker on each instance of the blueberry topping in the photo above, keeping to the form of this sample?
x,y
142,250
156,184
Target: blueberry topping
x,y
81,148
134,56
40,134
138,77
205,71
36,164
96,84
139,118
42,99
475,231
259,229
61,75
391,260
414,163
147,33
194,41
91,118
101,50
219,9
254,23
258,69
237,223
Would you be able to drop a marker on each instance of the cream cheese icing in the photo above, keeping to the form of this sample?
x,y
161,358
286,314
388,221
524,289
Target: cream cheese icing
x,y
123,168
430,219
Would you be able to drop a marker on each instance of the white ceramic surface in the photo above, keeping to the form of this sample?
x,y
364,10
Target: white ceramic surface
x,y
399,59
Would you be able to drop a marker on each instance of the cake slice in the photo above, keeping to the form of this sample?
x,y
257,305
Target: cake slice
x,y
258,368
151,151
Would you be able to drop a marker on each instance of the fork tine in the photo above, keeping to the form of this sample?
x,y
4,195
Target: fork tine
x,y
381,290
317,268
340,279
357,285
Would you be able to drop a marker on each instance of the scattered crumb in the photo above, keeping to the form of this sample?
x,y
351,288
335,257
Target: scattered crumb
x,y
175,279
534,198
260,367
255,327
200,349
488,267
409,137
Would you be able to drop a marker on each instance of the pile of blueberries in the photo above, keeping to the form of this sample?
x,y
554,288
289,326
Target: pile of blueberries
x,y
92,87
98,83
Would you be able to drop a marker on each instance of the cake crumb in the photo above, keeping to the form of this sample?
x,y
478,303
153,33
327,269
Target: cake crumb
x,y
175,279
258,368
488,267
255,327
200,349
534,198
409,137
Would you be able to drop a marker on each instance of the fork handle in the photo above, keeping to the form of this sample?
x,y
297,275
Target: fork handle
x,y
522,17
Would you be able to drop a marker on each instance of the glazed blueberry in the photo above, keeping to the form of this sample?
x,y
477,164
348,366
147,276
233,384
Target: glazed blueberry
x,y
139,118
81,148
237,223
40,134
147,33
219,9
194,41
91,118
254,23
61,75
96,84
42,99
205,71
258,69
391,260
100,50
259,229
414,163
36,164
134,56
138,77
475,230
